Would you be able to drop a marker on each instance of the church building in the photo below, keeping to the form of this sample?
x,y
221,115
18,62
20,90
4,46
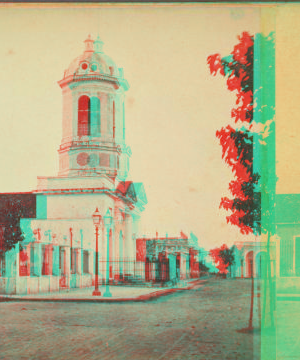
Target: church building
x,y
58,250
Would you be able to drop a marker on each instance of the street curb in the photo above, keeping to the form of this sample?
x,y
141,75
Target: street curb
x,y
142,298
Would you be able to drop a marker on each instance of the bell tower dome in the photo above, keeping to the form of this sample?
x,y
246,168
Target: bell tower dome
x,y
93,121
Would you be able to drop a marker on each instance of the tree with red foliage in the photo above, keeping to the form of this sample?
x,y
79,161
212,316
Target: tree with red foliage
x,y
237,144
252,205
223,258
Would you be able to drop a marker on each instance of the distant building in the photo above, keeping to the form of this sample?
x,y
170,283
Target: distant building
x,y
284,248
250,256
180,252
287,214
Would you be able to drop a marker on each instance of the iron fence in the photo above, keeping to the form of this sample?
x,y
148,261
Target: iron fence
x,y
132,272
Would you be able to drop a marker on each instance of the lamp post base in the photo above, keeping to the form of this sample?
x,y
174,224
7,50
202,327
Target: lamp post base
x,y
107,293
96,293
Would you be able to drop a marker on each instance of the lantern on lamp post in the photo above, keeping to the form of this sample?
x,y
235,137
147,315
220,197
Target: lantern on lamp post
x,y
107,221
96,220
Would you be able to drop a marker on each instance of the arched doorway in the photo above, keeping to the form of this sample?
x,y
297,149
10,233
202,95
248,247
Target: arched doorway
x,y
260,261
163,268
249,264
178,266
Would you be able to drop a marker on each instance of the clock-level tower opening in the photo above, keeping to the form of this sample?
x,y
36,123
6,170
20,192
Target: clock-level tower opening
x,y
93,124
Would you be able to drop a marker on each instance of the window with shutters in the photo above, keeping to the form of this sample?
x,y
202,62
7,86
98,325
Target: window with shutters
x,y
85,262
23,262
44,260
73,261
32,260
84,115
61,261
95,117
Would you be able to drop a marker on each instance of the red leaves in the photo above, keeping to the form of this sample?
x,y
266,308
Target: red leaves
x,y
244,98
226,203
237,146
239,75
234,83
244,112
234,219
240,50
214,62
235,187
216,255
230,153
242,175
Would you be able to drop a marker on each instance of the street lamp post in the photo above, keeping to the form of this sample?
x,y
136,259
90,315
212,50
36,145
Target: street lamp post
x,y
71,249
107,222
96,219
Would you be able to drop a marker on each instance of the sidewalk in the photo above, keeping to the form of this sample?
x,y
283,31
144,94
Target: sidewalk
x,y
119,293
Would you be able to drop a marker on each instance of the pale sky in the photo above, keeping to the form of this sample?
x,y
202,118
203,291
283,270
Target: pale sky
x,y
173,107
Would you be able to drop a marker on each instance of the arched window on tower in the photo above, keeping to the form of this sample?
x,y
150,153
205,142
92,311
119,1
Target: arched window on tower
x,y
95,117
84,120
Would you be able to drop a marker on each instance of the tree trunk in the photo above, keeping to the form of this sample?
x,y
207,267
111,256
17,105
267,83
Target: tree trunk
x,y
268,308
251,306
268,330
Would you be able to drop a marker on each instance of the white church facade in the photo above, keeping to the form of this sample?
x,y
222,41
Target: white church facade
x,y
59,245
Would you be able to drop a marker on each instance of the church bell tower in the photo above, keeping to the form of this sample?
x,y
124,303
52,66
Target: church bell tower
x,y
93,123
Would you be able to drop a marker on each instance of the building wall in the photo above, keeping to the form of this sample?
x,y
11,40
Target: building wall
x,y
251,252
79,182
288,274
66,220
77,206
